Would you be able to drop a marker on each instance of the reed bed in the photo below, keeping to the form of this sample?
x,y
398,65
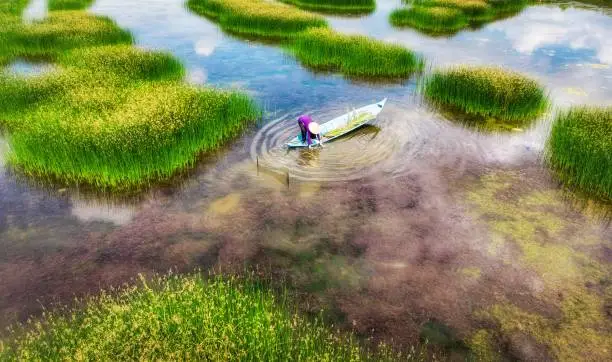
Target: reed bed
x,y
55,5
126,62
110,115
59,32
451,16
257,18
188,317
353,55
335,6
13,7
580,150
487,92
436,20
310,41
116,135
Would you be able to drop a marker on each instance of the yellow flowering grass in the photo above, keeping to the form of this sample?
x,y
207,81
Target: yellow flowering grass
x,y
257,18
487,92
433,19
109,115
188,317
580,150
354,55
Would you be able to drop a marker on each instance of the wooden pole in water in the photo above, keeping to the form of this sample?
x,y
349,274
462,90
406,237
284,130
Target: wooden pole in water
x,y
257,165
287,179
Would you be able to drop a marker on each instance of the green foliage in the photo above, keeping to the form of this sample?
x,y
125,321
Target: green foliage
x,y
335,6
69,4
59,32
126,62
13,7
257,18
450,16
185,318
487,92
430,19
109,115
580,150
359,56
306,36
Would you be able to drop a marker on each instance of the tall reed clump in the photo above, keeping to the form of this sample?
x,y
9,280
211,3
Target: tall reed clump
x,y
69,4
437,20
450,16
110,115
580,150
359,56
185,318
257,18
487,92
335,6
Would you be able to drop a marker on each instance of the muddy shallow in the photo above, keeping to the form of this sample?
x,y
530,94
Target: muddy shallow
x,y
412,223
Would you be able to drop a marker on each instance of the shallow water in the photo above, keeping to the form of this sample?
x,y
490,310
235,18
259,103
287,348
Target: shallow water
x,y
389,228
26,68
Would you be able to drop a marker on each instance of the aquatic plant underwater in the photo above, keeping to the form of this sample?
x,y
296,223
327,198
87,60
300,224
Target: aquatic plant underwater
x,y
187,317
109,115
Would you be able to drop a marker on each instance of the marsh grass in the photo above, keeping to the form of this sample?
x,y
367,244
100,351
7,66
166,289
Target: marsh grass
x,y
335,6
188,317
59,32
488,92
434,20
120,136
126,62
580,150
354,55
306,36
257,18
447,17
55,5
109,115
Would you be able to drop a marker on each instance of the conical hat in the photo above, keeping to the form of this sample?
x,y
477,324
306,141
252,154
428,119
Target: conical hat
x,y
313,127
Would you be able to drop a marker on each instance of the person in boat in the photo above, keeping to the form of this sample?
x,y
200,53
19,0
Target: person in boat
x,y
309,129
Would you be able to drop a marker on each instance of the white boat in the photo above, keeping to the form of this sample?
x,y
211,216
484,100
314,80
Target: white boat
x,y
342,125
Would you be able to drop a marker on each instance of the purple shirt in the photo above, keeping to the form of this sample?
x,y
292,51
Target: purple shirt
x,y
305,121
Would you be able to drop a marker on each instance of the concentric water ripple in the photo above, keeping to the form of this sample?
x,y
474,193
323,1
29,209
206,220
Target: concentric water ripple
x,y
405,134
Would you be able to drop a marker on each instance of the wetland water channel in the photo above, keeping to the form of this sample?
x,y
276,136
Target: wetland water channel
x,y
411,223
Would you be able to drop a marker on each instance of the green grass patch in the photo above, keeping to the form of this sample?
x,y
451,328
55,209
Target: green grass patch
x,y
109,115
126,62
59,32
450,16
580,150
122,138
487,92
306,37
69,4
13,7
335,6
257,18
185,318
353,55
436,20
